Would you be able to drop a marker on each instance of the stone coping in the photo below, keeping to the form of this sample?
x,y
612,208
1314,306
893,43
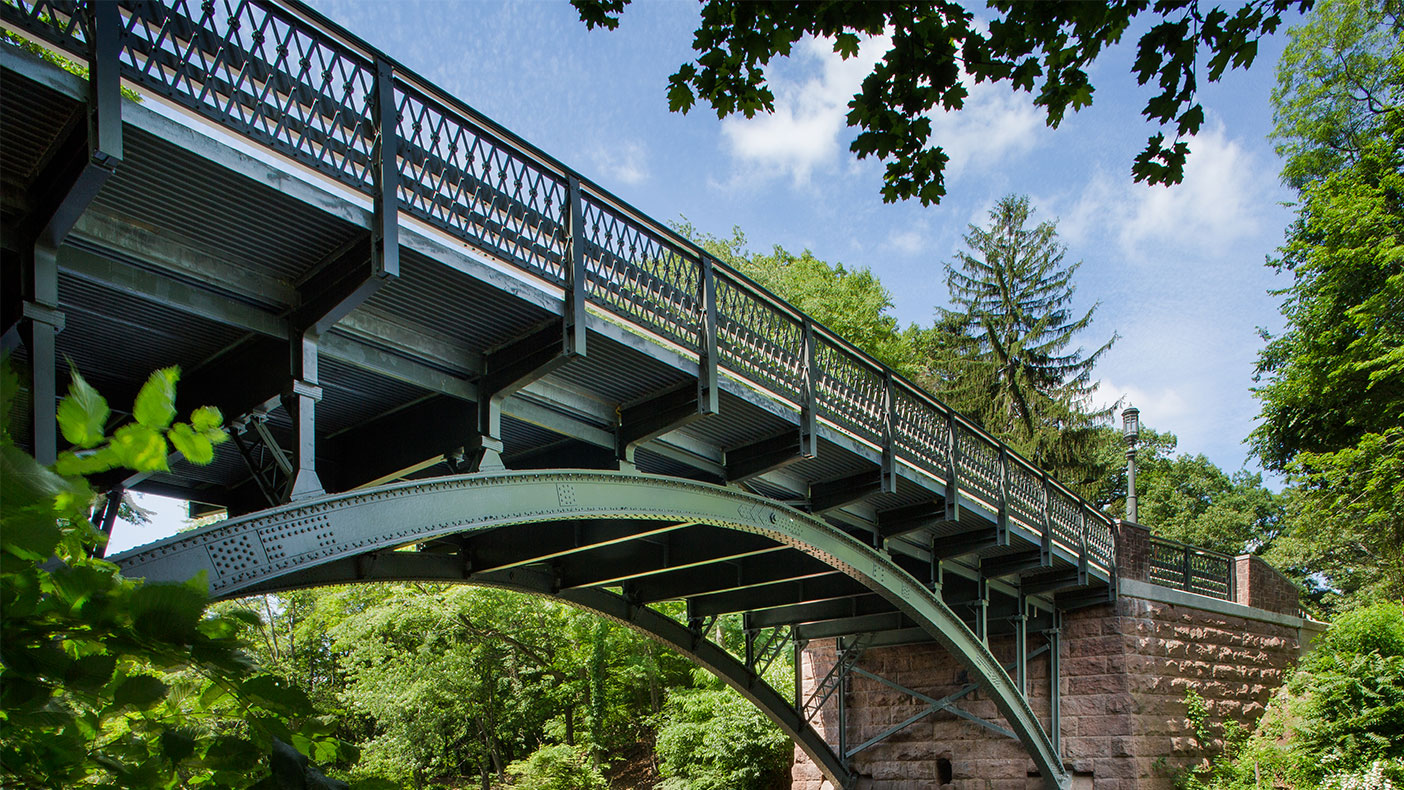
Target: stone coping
x,y
1153,592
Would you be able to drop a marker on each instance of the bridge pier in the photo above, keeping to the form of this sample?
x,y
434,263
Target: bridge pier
x,y
1123,668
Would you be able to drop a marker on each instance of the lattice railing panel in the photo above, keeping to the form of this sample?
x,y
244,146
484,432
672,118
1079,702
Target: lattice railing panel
x,y
1101,542
921,432
979,465
1025,490
58,21
850,392
1173,564
462,179
758,340
252,67
638,274
1063,515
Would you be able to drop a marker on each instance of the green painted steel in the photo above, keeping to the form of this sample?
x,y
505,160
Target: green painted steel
x,y
289,543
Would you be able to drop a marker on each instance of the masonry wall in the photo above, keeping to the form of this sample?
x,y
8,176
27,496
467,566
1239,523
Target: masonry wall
x,y
1125,670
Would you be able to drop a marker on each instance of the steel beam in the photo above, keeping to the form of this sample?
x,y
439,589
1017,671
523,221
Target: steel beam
x,y
833,494
392,444
651,417
907,519
819,611
504,549
506,370
767,455
816,588
1013,564
849,626
695,547
731,575
971,542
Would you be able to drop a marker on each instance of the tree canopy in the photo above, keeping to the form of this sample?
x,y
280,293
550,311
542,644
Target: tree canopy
x,y
937,49
1332,383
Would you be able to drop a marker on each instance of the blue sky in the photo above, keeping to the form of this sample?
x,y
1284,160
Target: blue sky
x,y
1178,273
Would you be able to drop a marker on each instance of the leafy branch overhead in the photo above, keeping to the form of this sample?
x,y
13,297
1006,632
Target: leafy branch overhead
x,y
936,49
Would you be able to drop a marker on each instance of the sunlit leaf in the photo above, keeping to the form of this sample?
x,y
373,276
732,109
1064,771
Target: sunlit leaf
x,y
82,414
155,403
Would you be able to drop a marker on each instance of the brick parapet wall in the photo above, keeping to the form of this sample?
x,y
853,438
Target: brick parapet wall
x,y
1132,551
1264,587
1126,668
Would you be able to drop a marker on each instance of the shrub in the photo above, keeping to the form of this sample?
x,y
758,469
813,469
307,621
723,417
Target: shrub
x,y
711,738
558,767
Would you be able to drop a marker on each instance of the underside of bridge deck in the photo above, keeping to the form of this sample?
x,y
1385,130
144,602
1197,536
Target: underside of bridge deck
x,y
374,283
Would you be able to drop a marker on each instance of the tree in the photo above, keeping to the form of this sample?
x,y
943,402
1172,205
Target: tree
x,y
108,681
1008,343
851,302
1332,384
936,49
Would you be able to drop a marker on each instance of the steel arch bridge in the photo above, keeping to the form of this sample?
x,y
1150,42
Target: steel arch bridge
x,y
396,300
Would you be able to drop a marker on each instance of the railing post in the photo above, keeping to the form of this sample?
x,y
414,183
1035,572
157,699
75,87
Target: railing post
x,y
952,468
105,84
889,434
707,396
1046,541
573,321
1003,495
1185,563
385,173
809,413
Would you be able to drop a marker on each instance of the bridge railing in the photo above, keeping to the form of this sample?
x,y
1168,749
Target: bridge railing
x,y
1196,570
285,77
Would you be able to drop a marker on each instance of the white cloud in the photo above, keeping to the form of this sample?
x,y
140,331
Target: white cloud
x,y
1216,205
802,135
995,125
623,160
910,241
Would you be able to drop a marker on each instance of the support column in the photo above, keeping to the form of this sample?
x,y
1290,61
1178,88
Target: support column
x,y
84,157
300,401
1021,647
1055,691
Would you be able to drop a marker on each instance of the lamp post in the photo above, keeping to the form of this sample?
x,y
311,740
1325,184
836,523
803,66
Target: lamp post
x,y
1131,429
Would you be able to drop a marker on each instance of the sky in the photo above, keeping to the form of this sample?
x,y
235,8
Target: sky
x,y
1177,273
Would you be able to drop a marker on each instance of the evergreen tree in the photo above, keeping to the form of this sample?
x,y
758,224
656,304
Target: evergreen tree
x,y
1006,352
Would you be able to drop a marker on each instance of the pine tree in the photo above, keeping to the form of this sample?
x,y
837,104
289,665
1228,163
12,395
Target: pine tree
x,y
1007,350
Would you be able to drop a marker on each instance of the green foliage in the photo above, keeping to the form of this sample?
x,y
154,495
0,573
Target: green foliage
x,y
710,738
1008,347
1333,382
558,767
853,303
107,680
1046,49
44,53
1337,722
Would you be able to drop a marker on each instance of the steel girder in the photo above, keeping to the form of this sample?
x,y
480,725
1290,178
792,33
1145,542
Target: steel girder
x,y
333,539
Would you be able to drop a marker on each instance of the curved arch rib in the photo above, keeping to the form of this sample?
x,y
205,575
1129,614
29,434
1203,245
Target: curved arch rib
x,y
321,540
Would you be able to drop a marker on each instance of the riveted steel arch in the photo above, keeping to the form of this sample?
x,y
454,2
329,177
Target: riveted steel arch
x,y
341,538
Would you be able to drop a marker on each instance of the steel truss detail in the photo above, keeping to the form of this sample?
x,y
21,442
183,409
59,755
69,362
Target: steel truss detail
x,y
350,537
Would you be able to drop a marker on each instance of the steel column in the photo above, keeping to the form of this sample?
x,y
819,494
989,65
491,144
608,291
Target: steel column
x,y
1055,690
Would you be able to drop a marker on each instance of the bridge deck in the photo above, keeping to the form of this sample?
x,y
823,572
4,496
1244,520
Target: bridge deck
x,y
247,177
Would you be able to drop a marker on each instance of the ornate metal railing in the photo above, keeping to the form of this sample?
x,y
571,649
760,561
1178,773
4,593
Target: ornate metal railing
x,y
1175,564
285,77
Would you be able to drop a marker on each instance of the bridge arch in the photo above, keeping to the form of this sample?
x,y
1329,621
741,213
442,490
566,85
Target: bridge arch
x,y
362,536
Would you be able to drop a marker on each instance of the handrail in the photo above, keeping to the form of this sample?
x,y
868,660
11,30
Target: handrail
x,y
1193,569
295,82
